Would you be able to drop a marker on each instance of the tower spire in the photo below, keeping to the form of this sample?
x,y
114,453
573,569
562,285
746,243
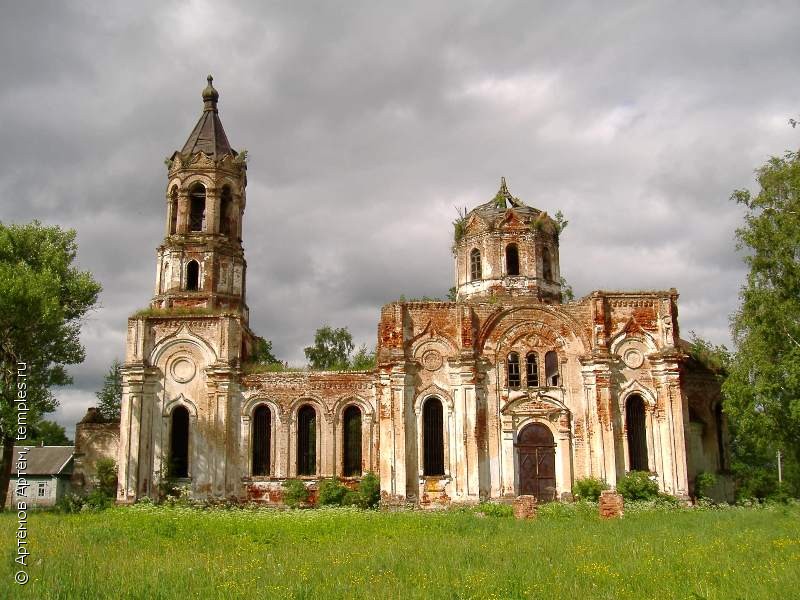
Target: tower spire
x,y
210,95
208,136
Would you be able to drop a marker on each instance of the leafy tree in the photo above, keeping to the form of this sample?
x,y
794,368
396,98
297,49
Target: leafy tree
x,y
262,353
452,294
716,358
762,391
110,395
567,295
48,433
331,349
363,359
43,298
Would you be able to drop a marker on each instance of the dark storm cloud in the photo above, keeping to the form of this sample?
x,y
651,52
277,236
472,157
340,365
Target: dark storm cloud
x,y
367,124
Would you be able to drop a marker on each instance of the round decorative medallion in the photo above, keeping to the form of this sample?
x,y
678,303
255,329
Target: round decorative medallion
x,y
183,370
432,360
632,358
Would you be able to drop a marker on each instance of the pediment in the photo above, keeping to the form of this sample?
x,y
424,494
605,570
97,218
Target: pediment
x,y
201,159
632,327
511,220
533,403
475,222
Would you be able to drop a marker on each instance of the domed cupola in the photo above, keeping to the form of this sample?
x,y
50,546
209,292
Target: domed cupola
x,y
506,248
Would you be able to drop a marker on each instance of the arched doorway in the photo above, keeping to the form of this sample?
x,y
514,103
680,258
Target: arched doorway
x,y
537,462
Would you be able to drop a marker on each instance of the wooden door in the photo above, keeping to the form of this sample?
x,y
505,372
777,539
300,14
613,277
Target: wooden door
x,y
537,462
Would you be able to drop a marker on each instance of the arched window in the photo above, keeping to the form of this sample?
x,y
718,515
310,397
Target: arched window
x,y
475,265
197,207
433,437
512,260
551,369
262,437
547,267
193,276
179,443
512,370
637,438
226,211
306,441
532,370
351,460
173,211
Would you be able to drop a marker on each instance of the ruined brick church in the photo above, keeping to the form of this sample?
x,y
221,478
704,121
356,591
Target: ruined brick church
x,y
506,391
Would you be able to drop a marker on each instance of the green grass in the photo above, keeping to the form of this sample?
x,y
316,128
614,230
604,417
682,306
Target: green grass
x,y
194,311
150,552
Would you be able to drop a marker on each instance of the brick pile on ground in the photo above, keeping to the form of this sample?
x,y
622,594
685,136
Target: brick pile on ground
x,y
611,504
525,507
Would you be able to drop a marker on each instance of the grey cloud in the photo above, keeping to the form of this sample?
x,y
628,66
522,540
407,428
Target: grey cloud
x,y
368,123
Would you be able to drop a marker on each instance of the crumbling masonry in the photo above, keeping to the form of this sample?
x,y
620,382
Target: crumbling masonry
x,y
505,392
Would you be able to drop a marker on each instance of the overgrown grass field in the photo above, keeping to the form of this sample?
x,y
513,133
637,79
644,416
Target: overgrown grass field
x,y
568,552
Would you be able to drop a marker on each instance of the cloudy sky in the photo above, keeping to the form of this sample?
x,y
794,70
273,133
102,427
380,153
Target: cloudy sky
x,y
368,123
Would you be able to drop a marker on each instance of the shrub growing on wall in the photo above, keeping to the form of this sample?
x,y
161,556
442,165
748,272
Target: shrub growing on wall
x,y
637,485
294,493
589,488
106,470
331,492
703,483
370,490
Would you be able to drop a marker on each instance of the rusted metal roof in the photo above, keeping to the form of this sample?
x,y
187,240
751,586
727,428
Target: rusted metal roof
x,y
44,460
208,136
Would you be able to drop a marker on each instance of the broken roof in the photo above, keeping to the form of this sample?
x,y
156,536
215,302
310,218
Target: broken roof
x,y
502,201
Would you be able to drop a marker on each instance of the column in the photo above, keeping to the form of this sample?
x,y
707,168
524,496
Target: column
x,y
212,210
183,211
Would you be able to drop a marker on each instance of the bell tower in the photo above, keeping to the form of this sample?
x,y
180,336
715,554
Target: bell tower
x,y
201,260
181,396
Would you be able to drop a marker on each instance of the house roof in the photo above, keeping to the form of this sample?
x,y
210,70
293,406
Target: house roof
x,y
208,136
44,460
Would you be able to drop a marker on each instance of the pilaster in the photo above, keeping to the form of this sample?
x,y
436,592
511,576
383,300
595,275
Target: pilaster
x,y
671,408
